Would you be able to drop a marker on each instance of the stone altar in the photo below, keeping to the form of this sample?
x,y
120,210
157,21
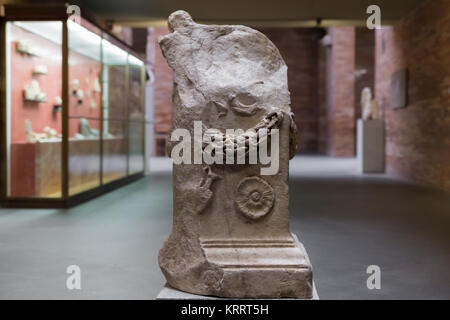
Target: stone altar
x,y
230,235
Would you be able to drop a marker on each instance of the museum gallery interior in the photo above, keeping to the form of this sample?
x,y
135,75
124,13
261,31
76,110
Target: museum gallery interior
x,y
341,185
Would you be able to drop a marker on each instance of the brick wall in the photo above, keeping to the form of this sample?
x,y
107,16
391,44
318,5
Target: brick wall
x,y
323,72
140,36
298,47
163,83
418,137
337,93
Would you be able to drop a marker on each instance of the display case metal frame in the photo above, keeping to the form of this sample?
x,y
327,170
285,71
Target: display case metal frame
x,y
39,12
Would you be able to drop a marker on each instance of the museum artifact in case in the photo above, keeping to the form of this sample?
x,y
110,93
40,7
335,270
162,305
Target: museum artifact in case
x,y
72,108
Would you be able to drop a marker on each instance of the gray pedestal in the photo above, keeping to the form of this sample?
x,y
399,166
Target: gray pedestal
x,y
370,146
168,293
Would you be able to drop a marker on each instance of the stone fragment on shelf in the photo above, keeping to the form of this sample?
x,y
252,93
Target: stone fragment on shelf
x,y
80,96
50,133
31,136
58,101
33,92
97,87
86,129
92,104
40,69
24,46
75,86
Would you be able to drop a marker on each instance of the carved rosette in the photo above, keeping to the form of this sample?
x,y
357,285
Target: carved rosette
x,y
254,197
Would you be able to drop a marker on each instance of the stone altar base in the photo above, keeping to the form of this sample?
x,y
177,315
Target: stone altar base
x,y
169,293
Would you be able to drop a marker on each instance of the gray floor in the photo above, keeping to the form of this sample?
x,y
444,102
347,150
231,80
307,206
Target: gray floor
x,y
346,221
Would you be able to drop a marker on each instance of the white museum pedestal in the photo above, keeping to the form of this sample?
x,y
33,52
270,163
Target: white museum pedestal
x,y
370,146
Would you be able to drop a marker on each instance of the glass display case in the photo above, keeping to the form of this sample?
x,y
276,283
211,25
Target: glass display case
x,y
73,109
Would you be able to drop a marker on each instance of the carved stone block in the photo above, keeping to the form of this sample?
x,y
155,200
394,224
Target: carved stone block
x,y
231,234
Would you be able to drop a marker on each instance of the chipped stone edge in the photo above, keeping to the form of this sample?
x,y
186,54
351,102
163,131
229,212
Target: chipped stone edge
x,y
169,293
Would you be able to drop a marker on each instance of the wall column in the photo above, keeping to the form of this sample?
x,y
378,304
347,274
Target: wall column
x,y
340,92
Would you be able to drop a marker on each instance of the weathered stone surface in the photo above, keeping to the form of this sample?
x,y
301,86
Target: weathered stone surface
x,y
230,234
169,293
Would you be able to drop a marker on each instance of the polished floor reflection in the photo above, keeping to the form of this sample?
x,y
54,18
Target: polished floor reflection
x,y
347,222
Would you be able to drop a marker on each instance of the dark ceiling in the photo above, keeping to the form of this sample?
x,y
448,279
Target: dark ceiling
x,y
146,11
252,12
